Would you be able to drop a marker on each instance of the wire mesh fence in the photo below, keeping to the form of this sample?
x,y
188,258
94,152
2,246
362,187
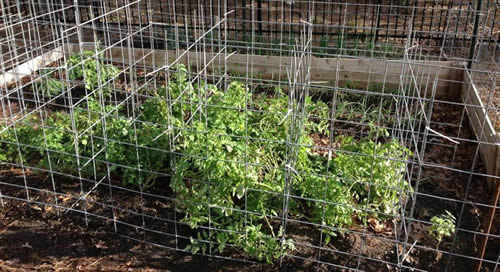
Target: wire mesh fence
x,y
361,23
305,134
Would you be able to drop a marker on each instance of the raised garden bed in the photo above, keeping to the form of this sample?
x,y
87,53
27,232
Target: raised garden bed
x,y
191,159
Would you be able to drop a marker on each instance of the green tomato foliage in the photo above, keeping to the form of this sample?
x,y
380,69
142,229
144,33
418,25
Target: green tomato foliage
x,y
226,152
442,226
91,68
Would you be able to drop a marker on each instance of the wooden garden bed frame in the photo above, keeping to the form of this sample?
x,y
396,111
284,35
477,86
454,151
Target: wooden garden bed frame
x,y
360,71
489,145
448,79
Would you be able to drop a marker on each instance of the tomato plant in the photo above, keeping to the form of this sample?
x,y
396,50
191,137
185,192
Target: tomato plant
x,y
49,85
90,67
374,174
442,226
226,152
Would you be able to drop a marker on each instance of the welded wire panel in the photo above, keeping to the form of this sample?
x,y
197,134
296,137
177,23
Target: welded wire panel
x,y
295,134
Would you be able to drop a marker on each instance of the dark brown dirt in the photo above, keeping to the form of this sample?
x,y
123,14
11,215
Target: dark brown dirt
x,y
29,240
34,236
459,190
8,111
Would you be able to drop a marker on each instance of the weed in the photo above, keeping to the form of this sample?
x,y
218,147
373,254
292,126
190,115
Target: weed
x,y
442,226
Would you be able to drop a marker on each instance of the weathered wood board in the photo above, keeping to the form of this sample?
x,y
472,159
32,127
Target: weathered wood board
x,y
447,75
30,67
489,146
489,140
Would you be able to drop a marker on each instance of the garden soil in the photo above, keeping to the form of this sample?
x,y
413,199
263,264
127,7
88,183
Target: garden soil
x,y
35,237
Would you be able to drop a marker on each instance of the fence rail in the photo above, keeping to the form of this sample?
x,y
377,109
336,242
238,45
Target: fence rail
x,y
355,25
367,20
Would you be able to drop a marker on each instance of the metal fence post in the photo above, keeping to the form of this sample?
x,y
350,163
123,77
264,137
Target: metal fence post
x,y
475,32
244,8
259,16
379,10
